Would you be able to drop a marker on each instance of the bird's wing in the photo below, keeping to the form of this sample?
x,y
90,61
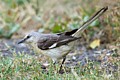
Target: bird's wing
x,y
46,42
51,42
63,40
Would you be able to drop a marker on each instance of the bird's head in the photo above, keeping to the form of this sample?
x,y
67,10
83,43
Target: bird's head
x,y
31,37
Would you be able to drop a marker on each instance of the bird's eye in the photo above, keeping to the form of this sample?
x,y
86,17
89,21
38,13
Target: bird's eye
x,y
28,36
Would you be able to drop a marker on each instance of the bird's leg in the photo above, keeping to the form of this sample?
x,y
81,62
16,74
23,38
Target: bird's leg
x,y
60,70
54,61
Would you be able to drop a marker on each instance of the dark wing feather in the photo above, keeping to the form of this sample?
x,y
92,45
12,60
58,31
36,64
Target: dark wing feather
x,y
65,41
47,42
68,33
51,40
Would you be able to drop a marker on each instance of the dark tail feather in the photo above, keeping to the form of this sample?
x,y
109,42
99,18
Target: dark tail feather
x,y
88,22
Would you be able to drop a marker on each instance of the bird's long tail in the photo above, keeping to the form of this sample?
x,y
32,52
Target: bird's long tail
x,y
89,21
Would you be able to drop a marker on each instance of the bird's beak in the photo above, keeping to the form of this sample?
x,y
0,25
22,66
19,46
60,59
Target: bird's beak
x,y
22,41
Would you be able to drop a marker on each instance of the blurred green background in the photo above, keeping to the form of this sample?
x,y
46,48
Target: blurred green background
x,y
18,17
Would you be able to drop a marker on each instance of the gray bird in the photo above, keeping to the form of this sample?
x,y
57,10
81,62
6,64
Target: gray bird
x,y
57,46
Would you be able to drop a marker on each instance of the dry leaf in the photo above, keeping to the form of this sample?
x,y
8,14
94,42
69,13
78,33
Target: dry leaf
x,y
95,43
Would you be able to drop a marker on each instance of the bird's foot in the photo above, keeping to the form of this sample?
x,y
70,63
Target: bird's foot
x,y
61,71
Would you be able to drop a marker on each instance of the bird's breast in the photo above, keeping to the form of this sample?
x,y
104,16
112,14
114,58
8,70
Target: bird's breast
x,y
58,52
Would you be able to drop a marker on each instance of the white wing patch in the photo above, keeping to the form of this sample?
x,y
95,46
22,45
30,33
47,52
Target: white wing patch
x,y
52,46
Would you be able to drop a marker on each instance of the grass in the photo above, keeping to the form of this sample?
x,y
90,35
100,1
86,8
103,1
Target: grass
x,y
27,67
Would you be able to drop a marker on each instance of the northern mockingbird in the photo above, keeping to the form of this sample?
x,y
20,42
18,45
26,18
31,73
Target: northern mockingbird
x,y
57,46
